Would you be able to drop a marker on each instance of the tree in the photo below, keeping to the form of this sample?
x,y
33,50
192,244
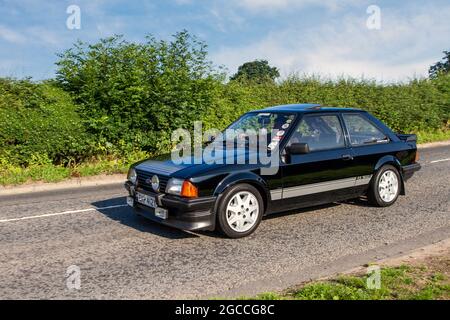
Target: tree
x,y
257,71
136,94
440,67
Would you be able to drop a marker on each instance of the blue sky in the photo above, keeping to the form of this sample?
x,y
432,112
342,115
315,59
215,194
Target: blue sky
x,y
329,38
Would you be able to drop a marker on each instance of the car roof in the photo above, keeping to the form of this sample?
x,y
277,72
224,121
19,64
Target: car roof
x,y
303,107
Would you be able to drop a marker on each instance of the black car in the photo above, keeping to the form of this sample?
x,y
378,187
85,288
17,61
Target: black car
x,y
325,155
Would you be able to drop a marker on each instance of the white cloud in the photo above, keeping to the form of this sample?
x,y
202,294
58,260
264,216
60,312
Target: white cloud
x,y
263,5
406,45
11,35
183,2
44,35
31,35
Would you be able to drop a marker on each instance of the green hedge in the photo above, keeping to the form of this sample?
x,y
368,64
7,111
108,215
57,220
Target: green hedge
x,y
38,124
134,95
41,124
419,105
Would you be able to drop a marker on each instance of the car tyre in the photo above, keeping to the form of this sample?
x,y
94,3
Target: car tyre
x,y
240,211
385,186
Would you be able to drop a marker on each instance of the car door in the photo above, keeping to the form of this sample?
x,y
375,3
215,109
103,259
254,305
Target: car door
x,y
326,173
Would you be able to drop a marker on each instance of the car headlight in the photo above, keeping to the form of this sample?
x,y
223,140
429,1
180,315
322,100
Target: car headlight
x,y
174,186
132,176
182,188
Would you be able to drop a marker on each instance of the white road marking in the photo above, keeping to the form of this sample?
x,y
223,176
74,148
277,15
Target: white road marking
x,y
62,213
440,160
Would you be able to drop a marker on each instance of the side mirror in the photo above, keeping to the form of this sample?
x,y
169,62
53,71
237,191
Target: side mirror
x,y
298,148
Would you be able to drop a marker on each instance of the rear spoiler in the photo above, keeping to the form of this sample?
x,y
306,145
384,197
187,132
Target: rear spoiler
x,y
407,137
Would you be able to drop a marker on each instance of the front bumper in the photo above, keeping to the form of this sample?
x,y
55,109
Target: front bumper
x,y
185,214
409,170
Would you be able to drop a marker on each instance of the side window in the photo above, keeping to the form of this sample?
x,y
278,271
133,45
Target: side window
x,y
362,131
320,132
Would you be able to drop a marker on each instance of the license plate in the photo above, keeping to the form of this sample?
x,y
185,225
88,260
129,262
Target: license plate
x,y
161,213
146,200
130,201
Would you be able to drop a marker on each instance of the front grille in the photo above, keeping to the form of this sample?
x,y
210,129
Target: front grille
x,y
144,175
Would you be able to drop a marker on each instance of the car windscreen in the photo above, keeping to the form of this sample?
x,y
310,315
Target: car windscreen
x,y
263,121
271,124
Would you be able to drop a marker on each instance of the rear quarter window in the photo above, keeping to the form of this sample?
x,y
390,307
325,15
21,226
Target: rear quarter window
x,y
362,131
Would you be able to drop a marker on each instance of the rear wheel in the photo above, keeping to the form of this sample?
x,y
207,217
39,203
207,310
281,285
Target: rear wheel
x,y
240,211
385,186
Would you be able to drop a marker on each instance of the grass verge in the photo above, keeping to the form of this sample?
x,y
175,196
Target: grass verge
x,y
12,175
429,280
433,136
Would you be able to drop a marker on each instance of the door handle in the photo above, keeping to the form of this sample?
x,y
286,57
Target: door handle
x,y
347,157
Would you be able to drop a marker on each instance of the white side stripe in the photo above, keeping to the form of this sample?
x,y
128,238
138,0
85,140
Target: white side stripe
x,y
61,213
320,187
276,194
360,181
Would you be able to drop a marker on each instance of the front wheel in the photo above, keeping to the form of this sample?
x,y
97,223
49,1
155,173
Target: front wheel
x,y
385,186
240,211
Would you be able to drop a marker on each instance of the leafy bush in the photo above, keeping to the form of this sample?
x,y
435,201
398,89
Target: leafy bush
x,y
38,124
442,84
417,105
137,94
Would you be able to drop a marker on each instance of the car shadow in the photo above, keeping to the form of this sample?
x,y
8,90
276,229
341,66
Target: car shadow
x,y
360,202
299,211
127,217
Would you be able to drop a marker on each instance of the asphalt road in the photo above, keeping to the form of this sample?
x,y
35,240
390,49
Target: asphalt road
x,y
121,255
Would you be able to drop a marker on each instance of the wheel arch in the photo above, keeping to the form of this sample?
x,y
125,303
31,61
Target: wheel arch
x,y
242,178
391,160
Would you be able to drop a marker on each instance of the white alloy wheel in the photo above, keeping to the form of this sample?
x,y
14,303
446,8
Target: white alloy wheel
x,y
242,211
388,186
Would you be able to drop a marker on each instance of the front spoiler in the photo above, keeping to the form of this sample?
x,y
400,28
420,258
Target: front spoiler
x,y
185,214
